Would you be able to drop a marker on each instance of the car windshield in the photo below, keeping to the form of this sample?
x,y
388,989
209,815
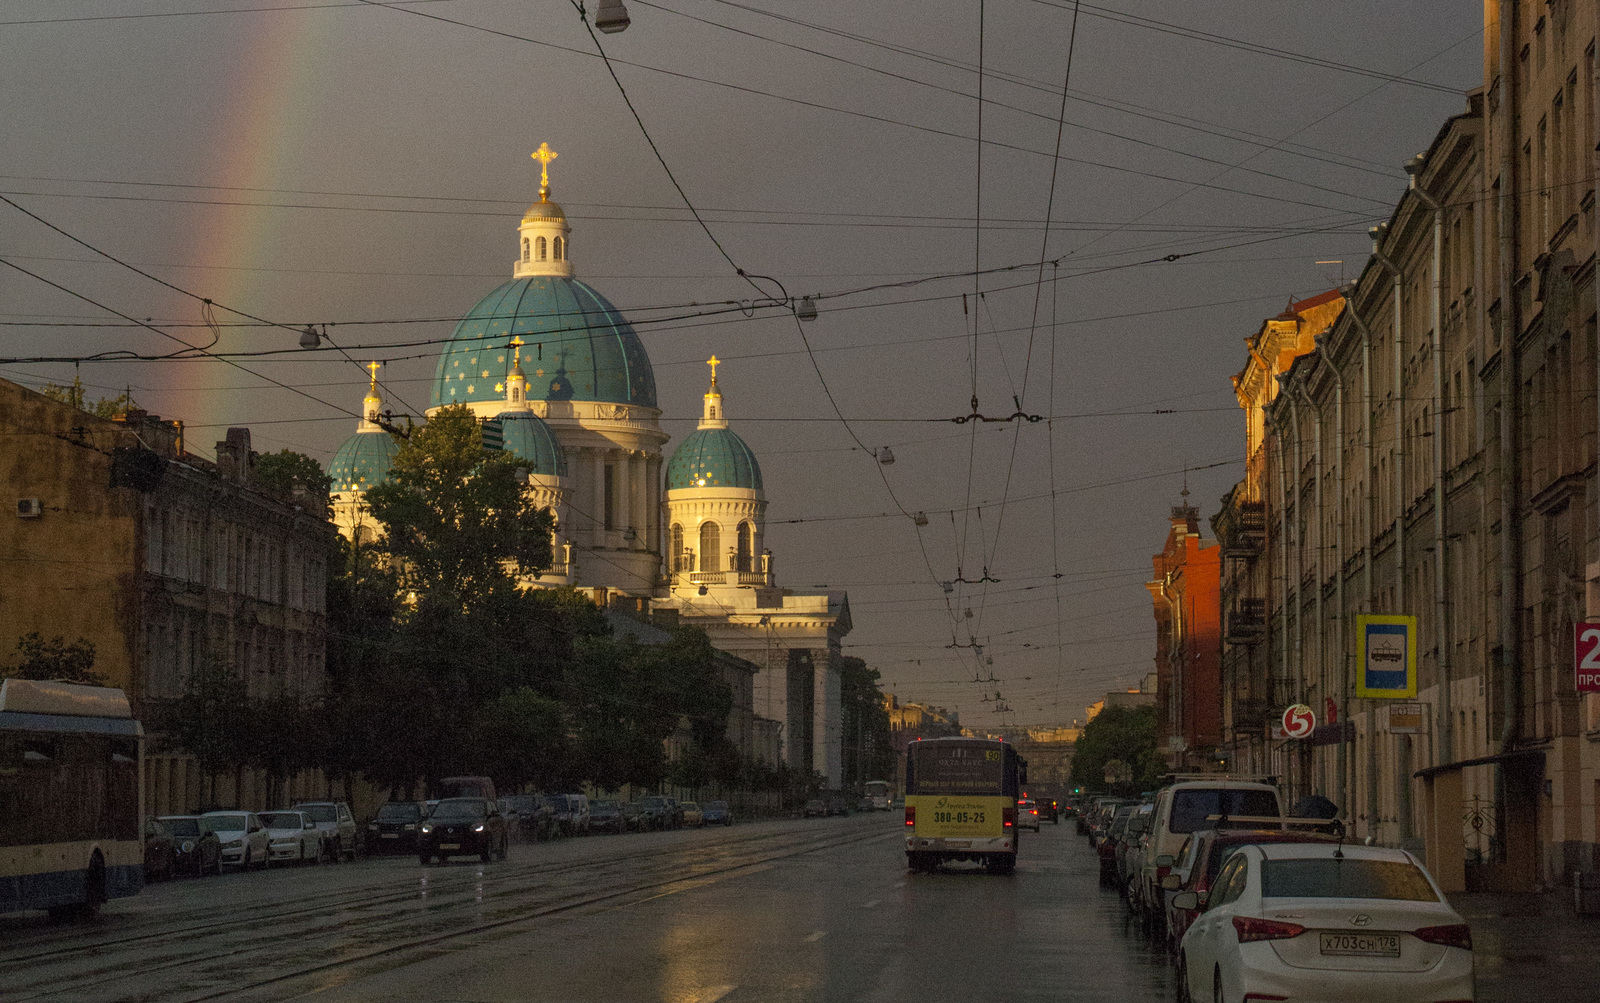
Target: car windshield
x,y
717,805
690,806
557,801
1190,808
282,820
225,823
320,812
399,813
595,806
1345,878
652,802
449,811
183,826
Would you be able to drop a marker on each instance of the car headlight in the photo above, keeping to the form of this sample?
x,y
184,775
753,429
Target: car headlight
x,y
427,828
233,844
477,828
187,847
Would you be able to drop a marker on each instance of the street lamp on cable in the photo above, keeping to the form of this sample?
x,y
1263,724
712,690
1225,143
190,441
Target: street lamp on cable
x,y
805,309
309,338
611,17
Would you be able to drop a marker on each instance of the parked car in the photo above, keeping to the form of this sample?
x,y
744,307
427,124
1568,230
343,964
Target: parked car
x,y
692,815
1130,850
838,804
1304,921
716,813
160,851
1196,867
535,819
197,849
466,787
1106,842
394,828
460,827
1185,807
1027,815
513,817
243,838
340,838
579,807
292,835
815,808
606,816
658,812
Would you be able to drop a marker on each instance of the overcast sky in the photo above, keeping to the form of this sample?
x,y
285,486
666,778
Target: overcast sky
x,y
364,167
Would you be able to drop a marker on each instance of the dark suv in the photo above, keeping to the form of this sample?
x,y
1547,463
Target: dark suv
x,y
606,816
394,830
461,827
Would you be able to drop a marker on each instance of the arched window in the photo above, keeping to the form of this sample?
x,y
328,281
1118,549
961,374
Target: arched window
x,y
557,255
524,248
710,547
675,548
539,246
747,546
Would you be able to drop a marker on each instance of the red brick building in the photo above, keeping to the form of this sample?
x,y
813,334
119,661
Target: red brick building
x,y
1186,590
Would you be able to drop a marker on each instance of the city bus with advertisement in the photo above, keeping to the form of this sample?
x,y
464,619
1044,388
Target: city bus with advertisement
x,y
69,797
877,792
961,802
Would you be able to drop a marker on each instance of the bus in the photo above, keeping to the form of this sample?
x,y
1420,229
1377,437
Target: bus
x,y
877,792
961,802
69,797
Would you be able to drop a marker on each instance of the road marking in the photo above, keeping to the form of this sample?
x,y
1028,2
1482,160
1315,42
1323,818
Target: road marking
x,y
812,938
870,903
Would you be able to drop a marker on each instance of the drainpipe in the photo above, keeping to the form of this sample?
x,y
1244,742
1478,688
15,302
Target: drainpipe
x,y
1368,518
1283,554
1441,623
1378,233
1510,389
1341,764
1320,545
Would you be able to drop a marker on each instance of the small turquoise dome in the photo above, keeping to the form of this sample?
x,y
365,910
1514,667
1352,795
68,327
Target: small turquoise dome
x,y
363,461
579,347
713,458
526,436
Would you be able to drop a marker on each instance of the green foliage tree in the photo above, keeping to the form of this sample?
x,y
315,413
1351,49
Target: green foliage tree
x,y
212,720
1127,734
522,739
72,394
295,478
56,658
867,751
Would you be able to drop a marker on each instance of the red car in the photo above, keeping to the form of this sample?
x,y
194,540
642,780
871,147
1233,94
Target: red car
x,y
1203,855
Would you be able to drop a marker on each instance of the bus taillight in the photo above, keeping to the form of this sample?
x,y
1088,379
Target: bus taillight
x,y
1009,817
911,814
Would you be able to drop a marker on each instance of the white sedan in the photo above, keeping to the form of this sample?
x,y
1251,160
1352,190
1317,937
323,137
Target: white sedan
x,y
292,835
243,838
1321,922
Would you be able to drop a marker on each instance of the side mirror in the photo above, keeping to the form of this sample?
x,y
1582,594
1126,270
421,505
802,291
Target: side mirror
x,y
1171,883
1165,860
1186,900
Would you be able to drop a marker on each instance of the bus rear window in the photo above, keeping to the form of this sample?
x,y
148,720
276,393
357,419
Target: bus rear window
x,y
1332,878
1191,808
942,769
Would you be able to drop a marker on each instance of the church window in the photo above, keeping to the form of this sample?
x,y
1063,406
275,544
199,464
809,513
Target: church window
x,y
747,542
710,547
676,548
557,254
525,250
539,246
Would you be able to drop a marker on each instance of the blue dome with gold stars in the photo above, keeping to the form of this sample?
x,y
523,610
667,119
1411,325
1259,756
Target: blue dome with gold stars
x,y
526,436
577,347
363,461
713,458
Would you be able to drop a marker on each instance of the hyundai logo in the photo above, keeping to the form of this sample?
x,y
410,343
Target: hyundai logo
x,y
1361,919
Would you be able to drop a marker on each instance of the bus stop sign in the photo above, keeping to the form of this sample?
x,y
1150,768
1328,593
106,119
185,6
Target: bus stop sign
x,y
1586,657
1386,656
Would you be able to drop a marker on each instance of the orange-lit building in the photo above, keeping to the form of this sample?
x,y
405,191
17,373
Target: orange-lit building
x,y
1186,590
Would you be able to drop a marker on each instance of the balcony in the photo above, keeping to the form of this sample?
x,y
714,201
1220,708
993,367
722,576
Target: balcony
x,y
727,578
1247,624
1242,529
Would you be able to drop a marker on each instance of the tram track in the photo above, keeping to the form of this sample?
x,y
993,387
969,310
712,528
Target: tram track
x,y
234,959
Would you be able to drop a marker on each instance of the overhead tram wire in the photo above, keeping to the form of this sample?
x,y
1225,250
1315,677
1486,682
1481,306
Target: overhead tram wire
x,y
207,302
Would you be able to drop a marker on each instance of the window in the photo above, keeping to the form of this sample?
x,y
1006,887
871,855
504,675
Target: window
x,y
610,493
557,254
675,548
525,251
1345,878
1230,882
747,542
710,547
539,247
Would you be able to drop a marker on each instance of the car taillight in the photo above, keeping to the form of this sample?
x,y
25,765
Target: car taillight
x,y
1008,817
1033,811
1455,935
911,814
1251,930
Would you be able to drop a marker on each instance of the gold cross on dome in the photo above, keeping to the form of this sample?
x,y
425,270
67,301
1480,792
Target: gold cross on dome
x,y
713,362
373,367
516,351
544,155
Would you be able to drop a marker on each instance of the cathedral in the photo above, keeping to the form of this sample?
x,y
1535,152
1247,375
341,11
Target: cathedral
x,y
560,379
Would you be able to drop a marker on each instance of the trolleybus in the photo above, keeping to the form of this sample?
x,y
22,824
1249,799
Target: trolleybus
x,y
961,802
69,797
877,792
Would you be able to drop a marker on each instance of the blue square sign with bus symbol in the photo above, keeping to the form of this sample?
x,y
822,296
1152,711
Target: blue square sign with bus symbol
x,y
1387,656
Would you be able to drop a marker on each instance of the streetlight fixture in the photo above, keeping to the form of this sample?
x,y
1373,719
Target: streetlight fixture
x,y
611,17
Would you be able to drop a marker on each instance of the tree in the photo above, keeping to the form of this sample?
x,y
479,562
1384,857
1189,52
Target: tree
x,y
73,396
867,752
1125,734
295,478
211,721
522,739
71,662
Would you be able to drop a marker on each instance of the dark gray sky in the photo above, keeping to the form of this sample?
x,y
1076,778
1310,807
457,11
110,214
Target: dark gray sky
x,y
337,162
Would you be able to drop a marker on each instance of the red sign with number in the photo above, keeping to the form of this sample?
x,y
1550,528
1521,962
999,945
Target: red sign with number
x,y
1299,721
1586,657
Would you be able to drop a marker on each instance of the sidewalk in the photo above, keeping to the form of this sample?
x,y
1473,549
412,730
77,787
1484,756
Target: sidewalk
x,y
1532,942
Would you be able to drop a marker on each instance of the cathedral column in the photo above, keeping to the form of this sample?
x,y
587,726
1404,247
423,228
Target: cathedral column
x,y
597,497
639,499
653,504
622,481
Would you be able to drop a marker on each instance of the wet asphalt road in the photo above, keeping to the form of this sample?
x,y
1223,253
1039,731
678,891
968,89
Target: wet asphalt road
x,y
772,911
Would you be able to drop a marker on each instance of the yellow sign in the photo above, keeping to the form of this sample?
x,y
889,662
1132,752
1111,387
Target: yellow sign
x,y
943,816
1386,656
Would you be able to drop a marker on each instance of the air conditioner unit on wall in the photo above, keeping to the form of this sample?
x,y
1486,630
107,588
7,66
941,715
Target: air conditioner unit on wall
x,y
29,508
